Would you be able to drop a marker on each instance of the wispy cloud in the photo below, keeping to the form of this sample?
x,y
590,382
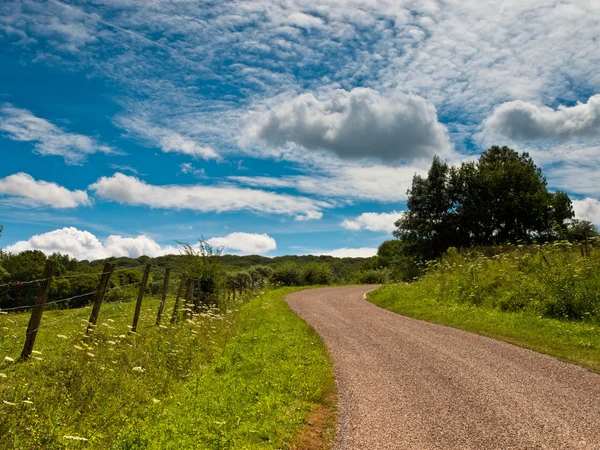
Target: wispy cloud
x,y
168,141
21,125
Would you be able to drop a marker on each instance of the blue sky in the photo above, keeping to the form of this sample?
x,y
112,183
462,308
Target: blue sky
x,y
276,127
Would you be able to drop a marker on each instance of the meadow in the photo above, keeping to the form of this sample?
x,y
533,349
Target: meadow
x,y
542,297
247,375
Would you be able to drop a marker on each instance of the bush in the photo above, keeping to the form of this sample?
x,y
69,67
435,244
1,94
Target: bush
x,y
316,273
375,276
550,280
288,274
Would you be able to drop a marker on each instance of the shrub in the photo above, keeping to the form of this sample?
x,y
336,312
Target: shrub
x,y
317,273
288,274
375,276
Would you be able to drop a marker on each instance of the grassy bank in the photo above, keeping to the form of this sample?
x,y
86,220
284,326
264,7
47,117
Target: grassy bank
x,y
543,298
246,378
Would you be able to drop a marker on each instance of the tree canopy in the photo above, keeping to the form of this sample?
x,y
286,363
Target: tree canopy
x,y
502,197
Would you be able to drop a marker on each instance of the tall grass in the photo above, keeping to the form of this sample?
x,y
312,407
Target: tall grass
x,y
542,297
559,280
230,378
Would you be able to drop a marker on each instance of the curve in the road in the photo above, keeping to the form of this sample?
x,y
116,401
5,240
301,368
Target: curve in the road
x,y
405,383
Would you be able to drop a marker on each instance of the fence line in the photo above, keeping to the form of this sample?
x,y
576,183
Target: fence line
x,y
190,299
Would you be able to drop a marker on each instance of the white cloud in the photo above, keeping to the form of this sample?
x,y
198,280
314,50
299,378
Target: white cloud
x,y
355,182
362,252
168,141
360,123
246,243
311,215
188,168
21,125
305,20
587,209
524,121
130,190
84,245
373,222
26,189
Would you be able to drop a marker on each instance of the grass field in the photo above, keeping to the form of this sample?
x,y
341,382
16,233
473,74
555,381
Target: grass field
x,y
542,298
247,378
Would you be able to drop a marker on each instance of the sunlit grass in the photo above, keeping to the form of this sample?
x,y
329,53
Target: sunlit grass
x,y
255,362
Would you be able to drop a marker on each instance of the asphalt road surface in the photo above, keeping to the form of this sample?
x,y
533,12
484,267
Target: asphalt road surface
x,y
405,383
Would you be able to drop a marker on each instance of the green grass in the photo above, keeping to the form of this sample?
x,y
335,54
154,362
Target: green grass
x,y
244,379
542,298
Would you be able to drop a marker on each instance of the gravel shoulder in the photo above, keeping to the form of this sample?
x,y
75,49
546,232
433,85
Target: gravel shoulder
x,y
405,383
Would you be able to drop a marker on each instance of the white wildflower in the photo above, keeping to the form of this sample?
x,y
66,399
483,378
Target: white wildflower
x,y
138,369
9,359
62,336
91,354
78,347
29,402
2,375
76,438
35,352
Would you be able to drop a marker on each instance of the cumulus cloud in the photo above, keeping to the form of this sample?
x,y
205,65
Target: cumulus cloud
x,y
361,123
21,125
524,121
26,189
168,141
372,222
246,243
82,244
131,190
587,209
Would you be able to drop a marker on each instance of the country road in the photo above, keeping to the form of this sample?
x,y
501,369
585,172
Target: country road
x,y
408,384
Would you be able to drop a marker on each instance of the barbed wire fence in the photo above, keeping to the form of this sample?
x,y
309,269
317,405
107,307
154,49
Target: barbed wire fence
x,y
188,292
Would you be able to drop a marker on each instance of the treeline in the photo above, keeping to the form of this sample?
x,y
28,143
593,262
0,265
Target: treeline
x,y
220,275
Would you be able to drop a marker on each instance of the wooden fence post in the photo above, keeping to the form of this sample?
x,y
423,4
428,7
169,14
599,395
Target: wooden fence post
x,y
164,295
104,279
188,298
196,295
38,309
182,283
138,305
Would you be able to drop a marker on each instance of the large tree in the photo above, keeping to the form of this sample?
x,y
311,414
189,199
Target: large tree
x,y
502,197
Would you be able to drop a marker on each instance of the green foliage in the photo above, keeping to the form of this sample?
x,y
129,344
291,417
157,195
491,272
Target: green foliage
x,y
503,197
203,263
560,280
579,230
317,274
394,255
288,274
381,275
227,379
